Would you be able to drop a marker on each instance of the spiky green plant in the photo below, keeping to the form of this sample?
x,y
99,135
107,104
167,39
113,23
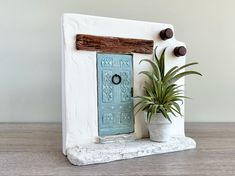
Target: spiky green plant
x,y
162,94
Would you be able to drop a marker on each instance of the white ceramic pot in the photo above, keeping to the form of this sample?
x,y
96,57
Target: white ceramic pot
x,y
159,128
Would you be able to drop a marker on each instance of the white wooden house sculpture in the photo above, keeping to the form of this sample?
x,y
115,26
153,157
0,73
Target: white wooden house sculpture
x,y
100,67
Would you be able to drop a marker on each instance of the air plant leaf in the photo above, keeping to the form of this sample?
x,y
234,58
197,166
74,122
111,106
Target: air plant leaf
x,y
162,63
181,75
172,72
156,70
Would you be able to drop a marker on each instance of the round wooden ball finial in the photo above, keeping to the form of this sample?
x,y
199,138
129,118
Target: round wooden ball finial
x,y
166,34
180,51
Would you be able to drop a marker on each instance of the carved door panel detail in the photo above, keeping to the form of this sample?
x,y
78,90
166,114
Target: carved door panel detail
x,y
125,86
115,104
107,86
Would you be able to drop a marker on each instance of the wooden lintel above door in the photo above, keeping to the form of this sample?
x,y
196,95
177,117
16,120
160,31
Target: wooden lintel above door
x,y
113,44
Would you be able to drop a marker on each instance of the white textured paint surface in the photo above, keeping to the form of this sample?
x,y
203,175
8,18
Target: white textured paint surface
x,y
80,120
102,153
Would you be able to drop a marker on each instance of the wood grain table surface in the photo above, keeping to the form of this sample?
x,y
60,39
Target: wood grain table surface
x,y
36,149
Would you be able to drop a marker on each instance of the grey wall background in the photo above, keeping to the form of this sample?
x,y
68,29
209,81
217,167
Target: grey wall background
x,y
30,52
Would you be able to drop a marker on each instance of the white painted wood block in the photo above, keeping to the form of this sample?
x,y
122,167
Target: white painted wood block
x,y
79,78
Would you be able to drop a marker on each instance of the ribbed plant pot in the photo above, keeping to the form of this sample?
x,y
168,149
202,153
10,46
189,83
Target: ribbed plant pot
x,y
159,128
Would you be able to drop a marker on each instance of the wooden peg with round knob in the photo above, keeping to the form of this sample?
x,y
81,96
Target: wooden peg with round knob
x,y
166,34
180,51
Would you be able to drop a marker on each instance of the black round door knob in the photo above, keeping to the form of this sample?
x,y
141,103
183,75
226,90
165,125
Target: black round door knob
x,y
116,79
166,34
180,51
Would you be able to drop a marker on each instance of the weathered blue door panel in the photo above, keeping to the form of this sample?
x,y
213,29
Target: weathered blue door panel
x,y
115,102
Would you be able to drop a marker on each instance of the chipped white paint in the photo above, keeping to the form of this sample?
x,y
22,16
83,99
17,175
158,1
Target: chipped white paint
x,y
79,84
102,153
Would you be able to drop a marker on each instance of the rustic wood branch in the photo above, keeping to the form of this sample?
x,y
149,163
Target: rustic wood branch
x,y
113,44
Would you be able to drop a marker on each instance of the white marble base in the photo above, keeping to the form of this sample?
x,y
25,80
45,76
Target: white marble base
x,y
102,153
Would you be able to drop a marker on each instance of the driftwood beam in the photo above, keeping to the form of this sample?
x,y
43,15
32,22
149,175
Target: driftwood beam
x,y
113,44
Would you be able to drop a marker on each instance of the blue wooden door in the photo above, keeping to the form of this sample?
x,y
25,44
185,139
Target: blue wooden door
x,y
115,102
